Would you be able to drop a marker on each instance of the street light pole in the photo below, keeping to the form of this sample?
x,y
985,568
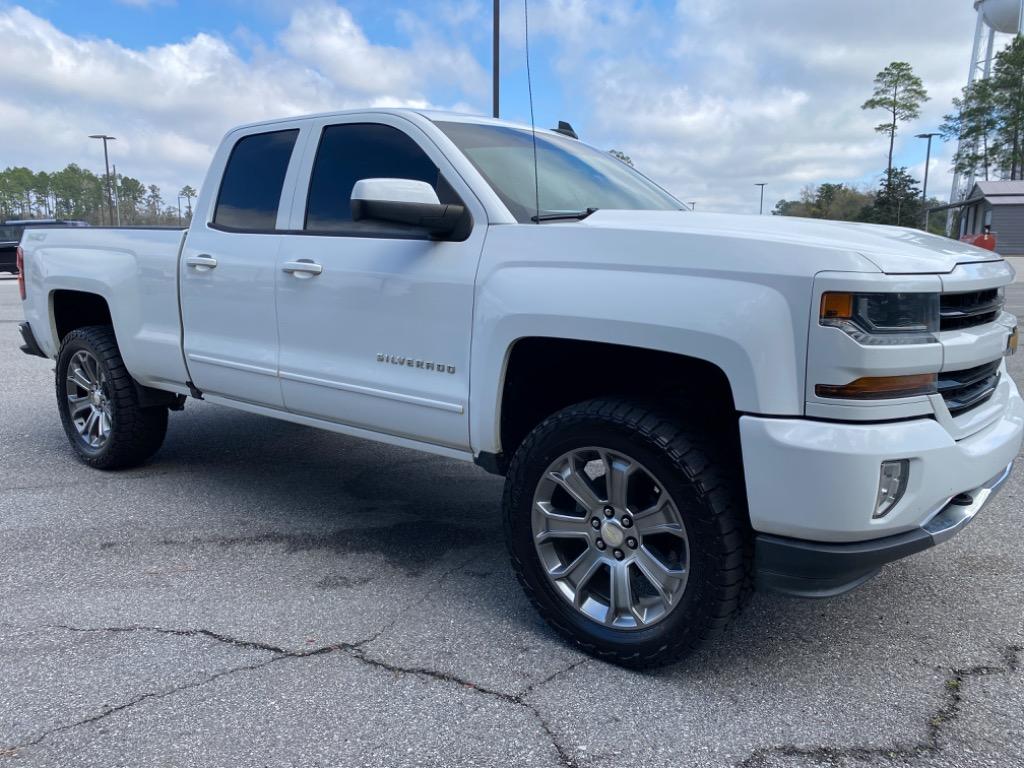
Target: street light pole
x,y
117,198
927,163
106,163
495,69
762,185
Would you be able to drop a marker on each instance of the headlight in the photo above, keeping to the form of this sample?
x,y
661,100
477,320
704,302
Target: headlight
x,y
883,318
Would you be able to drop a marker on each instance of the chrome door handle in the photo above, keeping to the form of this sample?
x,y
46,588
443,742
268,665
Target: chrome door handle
x,y
202,263
302,269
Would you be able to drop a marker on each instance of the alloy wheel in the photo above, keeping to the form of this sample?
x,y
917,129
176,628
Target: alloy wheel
x,y
88,399
610,538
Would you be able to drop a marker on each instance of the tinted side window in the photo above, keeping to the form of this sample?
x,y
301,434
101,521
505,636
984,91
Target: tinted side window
x,y
348,153
250,191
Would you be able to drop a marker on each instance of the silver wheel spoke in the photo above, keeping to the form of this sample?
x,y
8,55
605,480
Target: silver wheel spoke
x,y
78,404
620,599
558,526
617,473
78,378
661,517
579,570
662,578
91,368
587,568
90,423
576,485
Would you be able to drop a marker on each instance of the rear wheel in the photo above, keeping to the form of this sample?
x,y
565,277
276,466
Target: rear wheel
x,y
628,533
99,404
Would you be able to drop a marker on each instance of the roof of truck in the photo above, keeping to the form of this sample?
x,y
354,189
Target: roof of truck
x,y
434,115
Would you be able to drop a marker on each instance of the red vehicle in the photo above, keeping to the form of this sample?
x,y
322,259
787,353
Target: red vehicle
x,y
985,240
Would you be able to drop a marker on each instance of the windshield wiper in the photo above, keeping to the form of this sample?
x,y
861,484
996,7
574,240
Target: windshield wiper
x,y
564,215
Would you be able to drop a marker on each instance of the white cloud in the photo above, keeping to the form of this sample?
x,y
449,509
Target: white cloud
x,y
169,105
731,92
708,97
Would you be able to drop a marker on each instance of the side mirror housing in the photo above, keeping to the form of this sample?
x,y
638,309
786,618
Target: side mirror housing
x,y
405,201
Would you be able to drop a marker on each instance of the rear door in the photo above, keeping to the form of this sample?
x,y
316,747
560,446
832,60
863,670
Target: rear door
x,y
380,338
228,267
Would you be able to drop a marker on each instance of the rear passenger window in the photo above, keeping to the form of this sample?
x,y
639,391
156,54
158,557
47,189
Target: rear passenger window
x,y
250,191
355,151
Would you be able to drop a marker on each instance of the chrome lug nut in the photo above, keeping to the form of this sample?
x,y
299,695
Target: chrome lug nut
x,y
619,554
627,521
595,523
609,512
631,542
600,544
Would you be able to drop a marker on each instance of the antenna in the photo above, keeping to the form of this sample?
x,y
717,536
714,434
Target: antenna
x,y
533,123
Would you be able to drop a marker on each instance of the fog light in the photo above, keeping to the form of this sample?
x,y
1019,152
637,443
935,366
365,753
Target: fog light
x,y
892,482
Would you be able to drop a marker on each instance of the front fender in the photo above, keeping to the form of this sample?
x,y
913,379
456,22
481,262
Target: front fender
x,y
753,329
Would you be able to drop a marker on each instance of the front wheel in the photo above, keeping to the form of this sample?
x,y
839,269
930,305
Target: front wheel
x,y
99,404
628,533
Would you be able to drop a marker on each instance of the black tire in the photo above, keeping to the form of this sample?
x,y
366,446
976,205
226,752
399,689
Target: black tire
x,y
701,474
136,433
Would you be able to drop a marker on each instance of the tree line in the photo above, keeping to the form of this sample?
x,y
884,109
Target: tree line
x,y
987,121
78,193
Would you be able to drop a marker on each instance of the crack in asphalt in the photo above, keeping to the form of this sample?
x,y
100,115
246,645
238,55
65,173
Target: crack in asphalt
x,y
931,744
106,712
354,651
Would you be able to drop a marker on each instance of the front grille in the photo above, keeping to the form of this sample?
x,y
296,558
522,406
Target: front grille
x,y
965,310
963,390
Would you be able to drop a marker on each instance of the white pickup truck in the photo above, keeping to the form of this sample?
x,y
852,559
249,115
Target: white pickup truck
x,y
683,405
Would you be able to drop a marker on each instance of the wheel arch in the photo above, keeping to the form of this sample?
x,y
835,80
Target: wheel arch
x,y
543,374
71,309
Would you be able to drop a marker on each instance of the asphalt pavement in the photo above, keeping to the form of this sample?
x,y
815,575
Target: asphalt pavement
x,y
265,594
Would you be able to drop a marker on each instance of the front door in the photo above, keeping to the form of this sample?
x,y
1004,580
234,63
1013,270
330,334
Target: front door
x,y
377,334
229,271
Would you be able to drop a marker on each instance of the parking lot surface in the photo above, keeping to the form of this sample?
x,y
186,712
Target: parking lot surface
x,y
265,594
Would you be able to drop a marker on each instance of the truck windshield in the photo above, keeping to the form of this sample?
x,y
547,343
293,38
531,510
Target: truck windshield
x,y
9,234
572,177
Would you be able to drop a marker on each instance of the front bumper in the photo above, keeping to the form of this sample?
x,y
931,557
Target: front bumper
x,y
811,569
812,485
817,480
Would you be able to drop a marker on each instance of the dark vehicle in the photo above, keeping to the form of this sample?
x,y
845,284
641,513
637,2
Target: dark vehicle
x,y
10,236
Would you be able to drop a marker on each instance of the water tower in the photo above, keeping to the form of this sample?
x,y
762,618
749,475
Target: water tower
x,y
994,16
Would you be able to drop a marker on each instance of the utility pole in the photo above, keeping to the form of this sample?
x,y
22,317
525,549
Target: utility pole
x,y
106,163
117,198
927,162
495,64
762,185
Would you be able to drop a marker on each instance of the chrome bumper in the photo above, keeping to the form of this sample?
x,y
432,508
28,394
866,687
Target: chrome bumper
x,y
962,508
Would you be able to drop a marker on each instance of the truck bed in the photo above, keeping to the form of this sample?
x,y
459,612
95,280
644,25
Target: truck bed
x,y
133,269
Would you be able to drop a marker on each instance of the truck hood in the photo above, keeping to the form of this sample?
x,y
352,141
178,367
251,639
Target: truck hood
x,y
894,250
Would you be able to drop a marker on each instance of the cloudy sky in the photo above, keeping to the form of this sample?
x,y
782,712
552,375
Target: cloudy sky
x,y
707,96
